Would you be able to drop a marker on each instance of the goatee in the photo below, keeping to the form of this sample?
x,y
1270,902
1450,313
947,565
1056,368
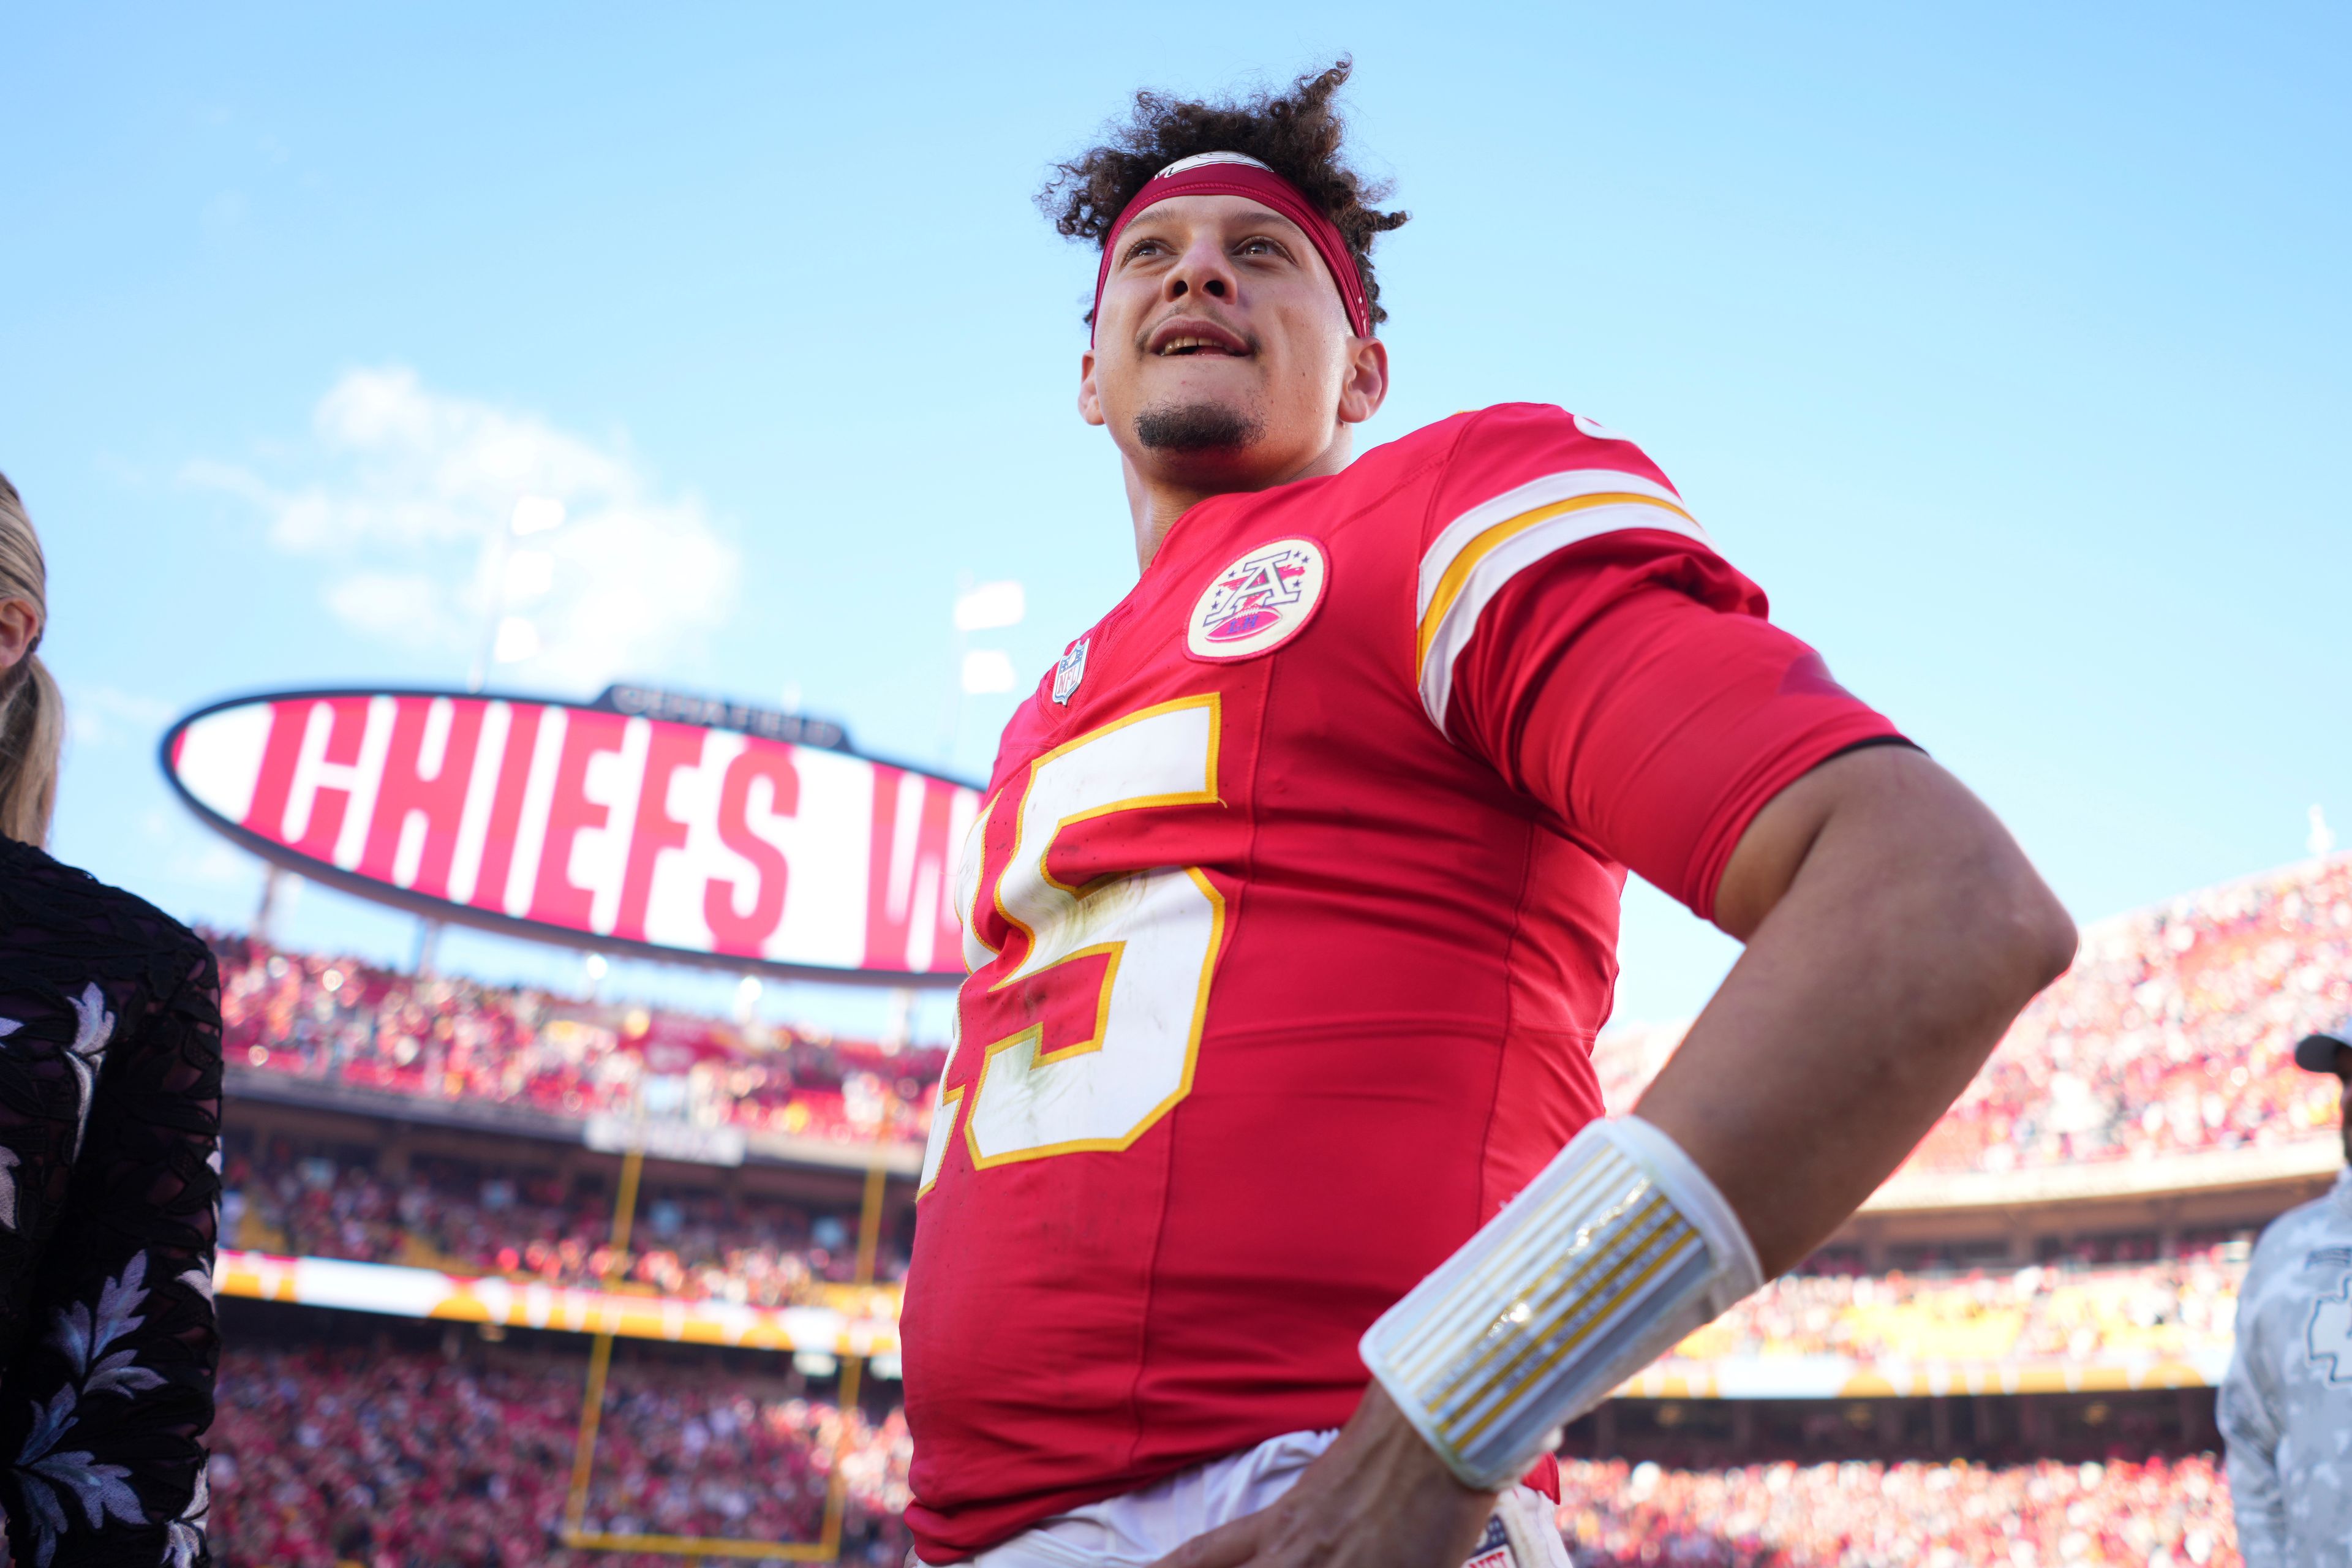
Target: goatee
x,y
1196,427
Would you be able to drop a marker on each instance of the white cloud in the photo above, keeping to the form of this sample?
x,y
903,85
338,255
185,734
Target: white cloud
x,y
103,715
517,639
989,669
400,493
411,608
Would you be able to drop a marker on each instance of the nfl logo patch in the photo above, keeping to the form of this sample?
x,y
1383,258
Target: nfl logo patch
x,y
1260,602
1070,671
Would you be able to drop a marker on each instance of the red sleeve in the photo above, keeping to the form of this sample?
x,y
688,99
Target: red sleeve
x,y
1632,684
1521,482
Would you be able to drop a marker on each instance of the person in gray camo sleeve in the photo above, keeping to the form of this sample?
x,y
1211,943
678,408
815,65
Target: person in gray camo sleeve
x,y
2286,1403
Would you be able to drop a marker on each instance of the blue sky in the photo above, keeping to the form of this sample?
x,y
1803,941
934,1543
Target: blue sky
x,y
2006,345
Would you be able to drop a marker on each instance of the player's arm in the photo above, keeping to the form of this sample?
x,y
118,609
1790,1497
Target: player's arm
x,y
1893,929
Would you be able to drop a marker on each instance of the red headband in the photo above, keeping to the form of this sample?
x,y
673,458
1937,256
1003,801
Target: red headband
x,y
1231,174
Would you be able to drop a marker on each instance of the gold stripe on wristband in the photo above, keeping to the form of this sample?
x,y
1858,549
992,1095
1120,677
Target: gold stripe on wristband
x,y
1586,1301
1639,1235
1572,1278
1594,1302
1518,1395
1570,1240
1550,1231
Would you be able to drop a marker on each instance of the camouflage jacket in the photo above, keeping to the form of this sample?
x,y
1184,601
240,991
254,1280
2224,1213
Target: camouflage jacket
x,y
2286,1404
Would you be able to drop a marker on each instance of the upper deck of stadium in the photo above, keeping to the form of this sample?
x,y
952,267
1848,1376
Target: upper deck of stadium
x,y
2161,1061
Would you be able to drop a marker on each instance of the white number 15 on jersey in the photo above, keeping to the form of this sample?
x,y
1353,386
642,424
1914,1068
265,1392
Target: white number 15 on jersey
x,y
1158,931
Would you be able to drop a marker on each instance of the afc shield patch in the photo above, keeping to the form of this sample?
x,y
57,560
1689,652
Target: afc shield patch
x,y
1260,602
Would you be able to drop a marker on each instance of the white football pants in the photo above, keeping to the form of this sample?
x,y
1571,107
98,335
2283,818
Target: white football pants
x,y
1139,1527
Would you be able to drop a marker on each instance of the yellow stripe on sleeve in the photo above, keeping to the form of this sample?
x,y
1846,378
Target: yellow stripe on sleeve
x,y
1458,572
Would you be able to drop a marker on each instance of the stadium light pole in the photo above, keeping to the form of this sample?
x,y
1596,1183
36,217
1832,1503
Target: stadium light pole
x,y
978,608
502,636
500,641
276,891
982,607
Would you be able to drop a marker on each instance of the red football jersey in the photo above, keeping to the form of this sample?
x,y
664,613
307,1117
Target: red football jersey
x,y
1292,912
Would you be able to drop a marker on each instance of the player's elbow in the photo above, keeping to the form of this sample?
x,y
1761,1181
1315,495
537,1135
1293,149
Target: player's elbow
x,y
1997,905
1972,905
2023,935
1999,917
2044,934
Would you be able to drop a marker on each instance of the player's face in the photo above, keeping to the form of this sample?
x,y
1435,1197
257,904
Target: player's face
x,y
1222,356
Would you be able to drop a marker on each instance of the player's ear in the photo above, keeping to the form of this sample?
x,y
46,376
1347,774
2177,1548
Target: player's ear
x,y
1090,396
1367,384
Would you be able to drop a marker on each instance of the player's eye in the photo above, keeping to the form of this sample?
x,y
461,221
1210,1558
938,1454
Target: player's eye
x,y
1142,247
1259,245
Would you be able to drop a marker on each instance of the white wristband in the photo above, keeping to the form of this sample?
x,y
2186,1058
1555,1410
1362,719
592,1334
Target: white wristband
x,y
1617,1249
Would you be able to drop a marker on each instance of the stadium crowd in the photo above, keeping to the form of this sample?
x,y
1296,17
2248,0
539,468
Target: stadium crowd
x,y
406,1460
447,1037
2158,1513
693,1246
2173,1307
2172,1034
707,1246
416,1460
2169,1036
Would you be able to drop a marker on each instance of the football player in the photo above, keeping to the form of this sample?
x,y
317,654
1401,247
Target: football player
x,y
1269,1214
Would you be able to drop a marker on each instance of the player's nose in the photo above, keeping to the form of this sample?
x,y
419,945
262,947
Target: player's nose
x,y
1203,271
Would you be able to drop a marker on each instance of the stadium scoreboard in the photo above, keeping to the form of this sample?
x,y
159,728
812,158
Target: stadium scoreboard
x,y
672,827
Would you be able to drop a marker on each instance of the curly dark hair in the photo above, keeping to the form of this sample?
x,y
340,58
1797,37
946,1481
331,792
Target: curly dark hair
x,y
1297,135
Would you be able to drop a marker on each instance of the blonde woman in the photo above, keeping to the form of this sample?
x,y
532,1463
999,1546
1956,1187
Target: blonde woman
x,y
110,1136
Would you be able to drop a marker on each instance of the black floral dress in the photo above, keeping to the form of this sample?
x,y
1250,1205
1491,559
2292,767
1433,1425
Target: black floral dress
x,y
109,1190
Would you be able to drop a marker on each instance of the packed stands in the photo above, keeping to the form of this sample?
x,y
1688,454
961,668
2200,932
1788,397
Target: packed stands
x,y
340,1020
407,1457
404,1457
398,1458
2173,1307
704,1247
2159,1513
2172,1034
490,1220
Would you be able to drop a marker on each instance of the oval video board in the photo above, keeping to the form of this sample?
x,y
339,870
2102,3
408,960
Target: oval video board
x,y
704,839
